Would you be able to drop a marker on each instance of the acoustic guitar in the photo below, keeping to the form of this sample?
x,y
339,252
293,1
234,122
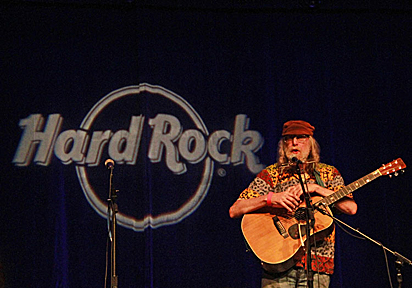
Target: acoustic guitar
x,y
277,236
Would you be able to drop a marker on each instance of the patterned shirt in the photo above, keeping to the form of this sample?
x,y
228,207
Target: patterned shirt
x,y
275,179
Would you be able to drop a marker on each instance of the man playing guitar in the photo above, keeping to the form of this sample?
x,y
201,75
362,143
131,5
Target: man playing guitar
x,y
278,187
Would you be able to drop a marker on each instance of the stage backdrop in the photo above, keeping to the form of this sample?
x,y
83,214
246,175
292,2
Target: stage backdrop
x,y
189,103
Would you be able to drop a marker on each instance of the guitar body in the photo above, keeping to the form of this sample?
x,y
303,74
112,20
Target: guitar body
x,y
277,236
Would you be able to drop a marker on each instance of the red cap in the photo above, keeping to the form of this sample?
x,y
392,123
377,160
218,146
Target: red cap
x,y
297,127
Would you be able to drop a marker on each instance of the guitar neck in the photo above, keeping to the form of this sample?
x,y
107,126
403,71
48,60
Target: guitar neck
x,y
328,200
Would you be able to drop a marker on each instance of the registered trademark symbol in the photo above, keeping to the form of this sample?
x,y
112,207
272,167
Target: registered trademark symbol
x,y
221,172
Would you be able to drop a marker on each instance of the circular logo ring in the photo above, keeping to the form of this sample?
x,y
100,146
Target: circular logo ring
x,y
153,221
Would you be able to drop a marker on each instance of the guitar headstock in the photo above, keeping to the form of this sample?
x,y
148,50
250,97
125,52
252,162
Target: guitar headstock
x,y
392,167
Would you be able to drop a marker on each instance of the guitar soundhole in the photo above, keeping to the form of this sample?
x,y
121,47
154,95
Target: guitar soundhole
x,y
300,214
294,230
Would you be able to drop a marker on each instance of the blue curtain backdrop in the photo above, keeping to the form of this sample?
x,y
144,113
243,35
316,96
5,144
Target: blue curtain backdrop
x,y
236,71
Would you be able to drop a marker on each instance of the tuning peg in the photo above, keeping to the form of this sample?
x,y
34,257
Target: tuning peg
x,y
396,174
390,175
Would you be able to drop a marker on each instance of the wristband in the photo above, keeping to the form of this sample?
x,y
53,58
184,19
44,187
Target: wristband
x,y
269,199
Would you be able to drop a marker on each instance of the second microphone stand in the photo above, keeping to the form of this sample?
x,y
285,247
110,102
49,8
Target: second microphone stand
x,y
112,210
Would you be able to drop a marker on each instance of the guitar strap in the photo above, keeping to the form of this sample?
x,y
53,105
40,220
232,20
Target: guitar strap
x,y
318,179
320,183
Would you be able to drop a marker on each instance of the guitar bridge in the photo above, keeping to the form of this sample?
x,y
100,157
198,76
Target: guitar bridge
x,y
280,227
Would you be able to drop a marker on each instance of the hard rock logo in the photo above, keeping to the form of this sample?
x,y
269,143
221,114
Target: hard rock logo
x,y
166,142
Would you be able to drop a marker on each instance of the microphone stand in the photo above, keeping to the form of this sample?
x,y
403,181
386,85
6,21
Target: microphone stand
x,y
400,259
112,210
309,217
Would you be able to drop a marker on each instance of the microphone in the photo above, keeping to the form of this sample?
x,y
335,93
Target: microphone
x,y
296,160
109,163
